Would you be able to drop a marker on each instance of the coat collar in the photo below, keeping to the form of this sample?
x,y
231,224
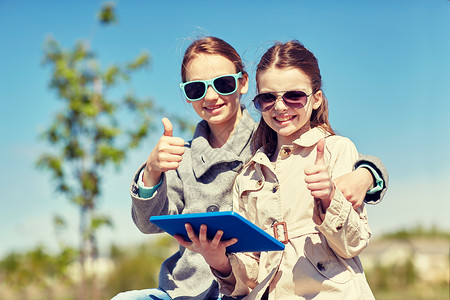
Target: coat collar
x,y
203,156
311,137
306,140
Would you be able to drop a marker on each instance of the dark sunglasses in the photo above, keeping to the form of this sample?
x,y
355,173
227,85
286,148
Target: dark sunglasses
x,y
294,99
223,85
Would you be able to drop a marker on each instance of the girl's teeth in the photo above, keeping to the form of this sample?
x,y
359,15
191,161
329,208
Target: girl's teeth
x,y
213,107
282,119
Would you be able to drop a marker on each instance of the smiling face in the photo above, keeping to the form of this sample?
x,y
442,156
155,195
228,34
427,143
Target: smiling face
x,y
287,122
221,112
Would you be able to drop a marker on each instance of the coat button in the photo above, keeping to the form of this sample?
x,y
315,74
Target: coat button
x,y
339,227
321,266
135,190
286,152
275,188
212,208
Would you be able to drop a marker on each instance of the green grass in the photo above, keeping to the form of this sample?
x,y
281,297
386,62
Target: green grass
x,y
417,292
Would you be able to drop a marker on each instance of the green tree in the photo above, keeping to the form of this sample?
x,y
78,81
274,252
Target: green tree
x,y
107,14
88,135
15,274
38,268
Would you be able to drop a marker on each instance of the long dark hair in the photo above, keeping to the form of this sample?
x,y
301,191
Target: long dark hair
x,y
291,54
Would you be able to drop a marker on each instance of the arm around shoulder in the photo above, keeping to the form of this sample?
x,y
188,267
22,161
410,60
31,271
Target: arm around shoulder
x,y
374,164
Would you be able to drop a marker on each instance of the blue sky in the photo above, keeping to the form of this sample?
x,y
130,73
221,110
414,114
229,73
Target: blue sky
x,y
386,71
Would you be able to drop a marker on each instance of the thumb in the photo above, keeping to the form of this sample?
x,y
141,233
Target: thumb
x,y
168,128
320,159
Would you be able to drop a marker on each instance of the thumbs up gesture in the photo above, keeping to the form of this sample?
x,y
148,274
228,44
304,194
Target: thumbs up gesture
x,y
166,155
318,179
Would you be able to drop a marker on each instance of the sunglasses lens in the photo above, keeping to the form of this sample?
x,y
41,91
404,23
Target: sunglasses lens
x,y
194,90
264,102
295,99
225,84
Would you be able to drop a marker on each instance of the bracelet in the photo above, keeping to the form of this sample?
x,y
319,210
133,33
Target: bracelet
x,y
378,180
145,191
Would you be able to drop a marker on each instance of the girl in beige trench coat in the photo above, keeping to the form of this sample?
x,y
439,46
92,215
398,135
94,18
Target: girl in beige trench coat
x,y
287,188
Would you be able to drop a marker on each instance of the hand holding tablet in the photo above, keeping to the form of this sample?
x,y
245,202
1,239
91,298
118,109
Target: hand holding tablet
x,y
250,237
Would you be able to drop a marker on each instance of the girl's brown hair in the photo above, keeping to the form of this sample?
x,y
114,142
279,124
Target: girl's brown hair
x,y
291,54
214,46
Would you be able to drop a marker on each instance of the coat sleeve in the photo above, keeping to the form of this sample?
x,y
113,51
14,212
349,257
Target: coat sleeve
x,y
244,274
143,208
346,229
378,165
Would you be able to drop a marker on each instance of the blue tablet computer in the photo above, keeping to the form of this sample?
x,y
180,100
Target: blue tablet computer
x,y
250,237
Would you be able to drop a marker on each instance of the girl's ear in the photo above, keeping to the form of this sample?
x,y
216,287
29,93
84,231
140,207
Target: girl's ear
x,y
244,84
318,99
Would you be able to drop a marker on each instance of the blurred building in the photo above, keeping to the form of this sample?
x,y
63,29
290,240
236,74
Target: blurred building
x,y
430,258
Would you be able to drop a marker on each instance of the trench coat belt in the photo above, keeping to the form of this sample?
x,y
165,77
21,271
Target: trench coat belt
x,y
283,231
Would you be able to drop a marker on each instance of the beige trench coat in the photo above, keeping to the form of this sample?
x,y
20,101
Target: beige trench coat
x,y
319,261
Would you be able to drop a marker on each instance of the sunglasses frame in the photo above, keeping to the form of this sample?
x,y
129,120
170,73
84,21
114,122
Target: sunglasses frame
x,y
210,82
282,98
